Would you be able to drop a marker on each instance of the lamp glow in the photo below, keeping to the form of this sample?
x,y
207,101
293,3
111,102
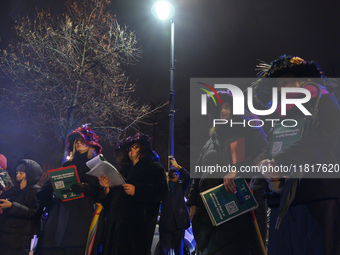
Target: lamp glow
x,y
163,10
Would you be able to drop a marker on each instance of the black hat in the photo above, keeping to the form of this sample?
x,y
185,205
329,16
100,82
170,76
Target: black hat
x,y
285,64
88,136
122,148
290,64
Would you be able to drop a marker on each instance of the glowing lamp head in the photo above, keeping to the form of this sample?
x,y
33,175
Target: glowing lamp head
x,y
163,10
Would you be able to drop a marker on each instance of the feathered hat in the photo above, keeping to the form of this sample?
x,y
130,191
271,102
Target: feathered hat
x,y
285,64
88,136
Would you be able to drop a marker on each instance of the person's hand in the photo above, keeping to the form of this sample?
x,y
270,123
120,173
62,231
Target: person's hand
x,y
267,169
192,211
229,182
104,182
4,203
129,189
173,162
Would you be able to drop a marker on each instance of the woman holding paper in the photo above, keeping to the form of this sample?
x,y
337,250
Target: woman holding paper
x,y
68,223
134,206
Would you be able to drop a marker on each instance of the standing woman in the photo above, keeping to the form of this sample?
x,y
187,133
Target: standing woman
x,y
134,206
19,216
68,223
229,146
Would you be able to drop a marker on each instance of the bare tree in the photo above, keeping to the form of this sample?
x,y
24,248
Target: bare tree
x,y
67,70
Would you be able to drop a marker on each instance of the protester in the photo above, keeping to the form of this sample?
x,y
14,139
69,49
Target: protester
x,y
174,213
5,180
311,224
68,223
234,146
18,220
131,220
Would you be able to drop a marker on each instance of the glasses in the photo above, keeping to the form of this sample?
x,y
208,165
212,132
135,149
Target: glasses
x,y
134,146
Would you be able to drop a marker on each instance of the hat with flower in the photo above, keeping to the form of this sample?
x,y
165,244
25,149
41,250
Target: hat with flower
x,y
88,136
285,64
290,64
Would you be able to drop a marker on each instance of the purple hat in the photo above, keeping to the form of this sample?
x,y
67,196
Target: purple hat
x,y
88,136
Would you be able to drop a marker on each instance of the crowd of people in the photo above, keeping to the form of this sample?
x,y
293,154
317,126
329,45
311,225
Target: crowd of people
x,y
304,211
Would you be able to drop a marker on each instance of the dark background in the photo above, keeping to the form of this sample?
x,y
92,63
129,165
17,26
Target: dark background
x,y
215,38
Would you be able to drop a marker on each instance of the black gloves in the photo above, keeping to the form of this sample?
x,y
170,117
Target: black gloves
x,y
82,188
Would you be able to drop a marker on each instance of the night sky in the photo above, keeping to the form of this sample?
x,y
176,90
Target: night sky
x,y
215,38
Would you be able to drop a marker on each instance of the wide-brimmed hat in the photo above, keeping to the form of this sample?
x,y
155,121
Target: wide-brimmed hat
x,y
214,104
88,136
285,64
123,147
290,64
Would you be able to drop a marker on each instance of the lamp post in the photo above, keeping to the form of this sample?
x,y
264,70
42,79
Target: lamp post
x,y
165,11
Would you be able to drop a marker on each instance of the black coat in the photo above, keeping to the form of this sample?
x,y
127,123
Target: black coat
x,y
174,212
131,220
315,147
321,196
239,230
18,223
68,223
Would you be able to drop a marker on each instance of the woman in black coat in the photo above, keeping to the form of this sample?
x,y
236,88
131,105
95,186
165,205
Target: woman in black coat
x,y
19,217
234,146
68,223
311,224
132,216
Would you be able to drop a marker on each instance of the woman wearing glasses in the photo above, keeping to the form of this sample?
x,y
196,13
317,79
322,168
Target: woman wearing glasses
x,y
133,207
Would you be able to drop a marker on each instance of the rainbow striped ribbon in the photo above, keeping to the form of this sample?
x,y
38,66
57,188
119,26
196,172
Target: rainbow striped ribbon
x,y
93,228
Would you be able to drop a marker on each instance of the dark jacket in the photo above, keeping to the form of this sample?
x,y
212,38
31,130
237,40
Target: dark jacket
x,y
131,220
315,147
18,223
218,150
76,214
174,212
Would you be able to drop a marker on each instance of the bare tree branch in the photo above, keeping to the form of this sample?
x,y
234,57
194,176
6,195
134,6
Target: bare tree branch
x,y
67,70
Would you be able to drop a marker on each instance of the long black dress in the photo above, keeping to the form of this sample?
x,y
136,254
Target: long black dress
x,y
68,223
131,220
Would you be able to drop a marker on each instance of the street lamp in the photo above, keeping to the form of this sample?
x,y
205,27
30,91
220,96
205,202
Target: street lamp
x,y
165,11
